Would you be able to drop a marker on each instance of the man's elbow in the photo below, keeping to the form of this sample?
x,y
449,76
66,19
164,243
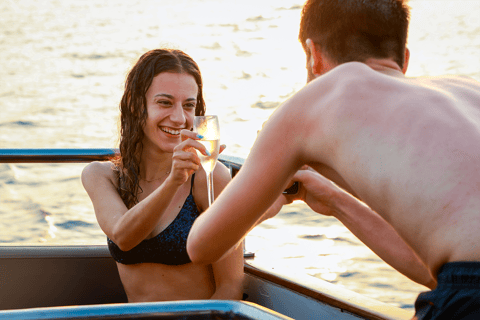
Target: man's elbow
x,y
198,253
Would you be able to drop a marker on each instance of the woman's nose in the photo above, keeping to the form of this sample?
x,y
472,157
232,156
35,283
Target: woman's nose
x,y
177,115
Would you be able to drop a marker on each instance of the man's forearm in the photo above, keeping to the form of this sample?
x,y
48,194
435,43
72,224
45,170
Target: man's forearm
x,y
381,238
228,292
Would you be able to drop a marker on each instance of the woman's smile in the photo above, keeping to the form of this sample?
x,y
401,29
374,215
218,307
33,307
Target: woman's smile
x,y
170,131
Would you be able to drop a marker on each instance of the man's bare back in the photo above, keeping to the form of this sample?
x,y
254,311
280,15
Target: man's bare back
x,y
407,147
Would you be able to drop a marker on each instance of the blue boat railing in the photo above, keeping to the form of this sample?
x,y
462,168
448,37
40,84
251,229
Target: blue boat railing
x,y
195,309
39,155
55,155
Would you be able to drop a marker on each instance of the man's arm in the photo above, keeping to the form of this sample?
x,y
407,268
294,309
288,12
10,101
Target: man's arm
x,y
273,160
324,197
282,147
228,275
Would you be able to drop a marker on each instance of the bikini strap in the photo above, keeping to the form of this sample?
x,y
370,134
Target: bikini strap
x,y
191,187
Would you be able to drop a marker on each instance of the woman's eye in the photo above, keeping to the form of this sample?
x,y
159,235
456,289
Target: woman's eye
x,y
164,102
190,105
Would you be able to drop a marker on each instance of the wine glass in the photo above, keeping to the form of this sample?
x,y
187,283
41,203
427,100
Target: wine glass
x,y
209,128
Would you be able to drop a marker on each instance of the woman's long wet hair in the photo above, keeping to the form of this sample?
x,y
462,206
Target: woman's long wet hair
x,y
133,112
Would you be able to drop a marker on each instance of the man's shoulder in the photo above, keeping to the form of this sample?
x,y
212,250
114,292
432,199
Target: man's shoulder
x,y
450,80
353,80
350,76
352,70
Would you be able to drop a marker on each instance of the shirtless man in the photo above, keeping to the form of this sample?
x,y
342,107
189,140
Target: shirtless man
x,y
408,148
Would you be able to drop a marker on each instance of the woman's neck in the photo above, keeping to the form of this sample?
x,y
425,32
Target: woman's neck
x,y
155,165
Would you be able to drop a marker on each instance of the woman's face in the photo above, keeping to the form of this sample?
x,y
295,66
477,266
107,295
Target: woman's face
x,y
171,102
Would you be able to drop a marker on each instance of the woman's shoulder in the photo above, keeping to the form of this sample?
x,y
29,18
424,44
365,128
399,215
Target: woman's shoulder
x,y
98,170
220,172
99,167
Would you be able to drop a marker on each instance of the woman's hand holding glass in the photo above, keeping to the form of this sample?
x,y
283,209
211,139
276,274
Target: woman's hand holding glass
x,y
185,160
185,157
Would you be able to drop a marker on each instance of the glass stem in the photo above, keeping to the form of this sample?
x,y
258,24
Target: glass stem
x,y
210,188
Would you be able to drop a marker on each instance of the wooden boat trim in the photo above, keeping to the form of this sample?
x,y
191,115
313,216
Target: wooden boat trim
x,y
33,251
328,293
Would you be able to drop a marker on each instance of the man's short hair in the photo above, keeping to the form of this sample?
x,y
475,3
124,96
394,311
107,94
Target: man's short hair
x,y
355,30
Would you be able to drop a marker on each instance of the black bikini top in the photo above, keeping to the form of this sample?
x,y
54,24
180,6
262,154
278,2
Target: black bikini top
x,y
169,246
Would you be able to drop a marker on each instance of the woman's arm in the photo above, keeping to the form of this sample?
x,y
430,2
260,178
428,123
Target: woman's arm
x,y
125,227
128,227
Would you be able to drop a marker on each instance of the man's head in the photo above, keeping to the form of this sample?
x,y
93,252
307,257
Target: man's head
x,y
356,30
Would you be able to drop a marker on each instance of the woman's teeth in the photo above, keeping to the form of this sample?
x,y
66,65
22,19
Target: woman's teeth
x,y
170,131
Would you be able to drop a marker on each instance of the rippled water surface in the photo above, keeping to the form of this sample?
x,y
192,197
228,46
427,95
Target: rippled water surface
x,y
62,68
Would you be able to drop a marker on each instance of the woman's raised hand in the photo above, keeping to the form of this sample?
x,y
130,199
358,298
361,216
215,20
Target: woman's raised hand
x,y
185,160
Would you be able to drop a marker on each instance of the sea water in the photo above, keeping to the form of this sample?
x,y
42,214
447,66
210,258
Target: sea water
x,y
62,71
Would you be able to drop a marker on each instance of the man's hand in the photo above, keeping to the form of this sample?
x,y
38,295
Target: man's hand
x,y
317,191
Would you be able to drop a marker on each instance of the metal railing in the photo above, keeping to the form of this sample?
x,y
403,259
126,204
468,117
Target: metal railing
x,y
205,309
85,155
55,155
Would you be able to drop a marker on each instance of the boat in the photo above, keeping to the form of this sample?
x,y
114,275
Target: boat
x,y
82,282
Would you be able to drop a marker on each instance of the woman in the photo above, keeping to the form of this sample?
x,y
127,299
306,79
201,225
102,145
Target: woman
x,y
147,199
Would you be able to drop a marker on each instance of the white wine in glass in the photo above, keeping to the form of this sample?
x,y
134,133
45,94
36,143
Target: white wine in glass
x,y
209,128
